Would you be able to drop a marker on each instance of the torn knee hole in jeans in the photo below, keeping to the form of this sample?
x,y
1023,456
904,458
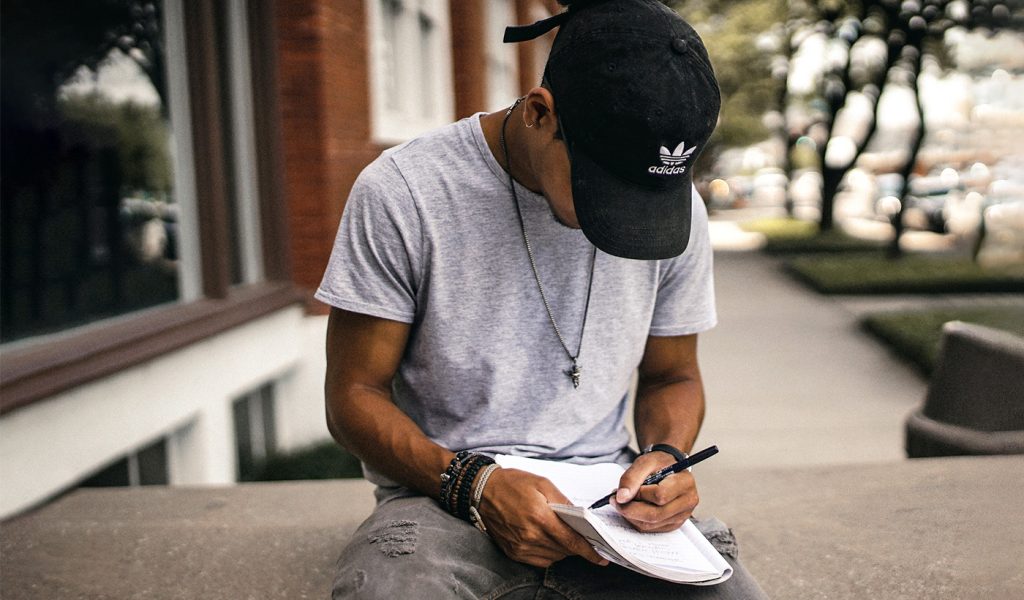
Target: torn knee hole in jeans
x,y
395,538
724,541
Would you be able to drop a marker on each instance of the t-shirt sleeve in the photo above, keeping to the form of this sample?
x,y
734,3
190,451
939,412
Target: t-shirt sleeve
x,y
686,288
376,262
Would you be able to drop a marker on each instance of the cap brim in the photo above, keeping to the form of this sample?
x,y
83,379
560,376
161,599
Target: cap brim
x,y
629,220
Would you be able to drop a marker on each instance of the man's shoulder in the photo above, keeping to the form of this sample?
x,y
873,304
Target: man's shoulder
x,y
433,170
440,146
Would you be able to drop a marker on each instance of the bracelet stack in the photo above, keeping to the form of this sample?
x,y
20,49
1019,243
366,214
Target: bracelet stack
x,y
458,494
478,493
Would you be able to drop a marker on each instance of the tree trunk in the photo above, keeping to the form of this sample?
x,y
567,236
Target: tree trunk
x,y
894,248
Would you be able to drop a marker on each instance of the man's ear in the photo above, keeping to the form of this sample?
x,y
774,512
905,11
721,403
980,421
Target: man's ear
x,y
539,111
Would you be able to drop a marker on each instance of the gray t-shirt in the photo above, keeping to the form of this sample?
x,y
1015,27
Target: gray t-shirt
x,y
430,237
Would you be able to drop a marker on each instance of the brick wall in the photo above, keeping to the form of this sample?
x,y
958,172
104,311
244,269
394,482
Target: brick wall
x,y
324,87
325,108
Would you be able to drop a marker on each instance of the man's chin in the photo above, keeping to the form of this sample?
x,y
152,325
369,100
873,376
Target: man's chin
x,y
564,222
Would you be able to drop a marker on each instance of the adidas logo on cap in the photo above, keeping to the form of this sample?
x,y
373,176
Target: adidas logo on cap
x,y
672,160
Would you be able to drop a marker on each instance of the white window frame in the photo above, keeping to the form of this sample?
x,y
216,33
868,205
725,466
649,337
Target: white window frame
x,y
502,60
395,120
246,202
190,268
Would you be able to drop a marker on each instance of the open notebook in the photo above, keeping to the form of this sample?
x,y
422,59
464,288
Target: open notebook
x,y
682,556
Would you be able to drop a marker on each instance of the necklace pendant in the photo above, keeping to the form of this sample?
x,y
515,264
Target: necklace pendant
x,y
575,374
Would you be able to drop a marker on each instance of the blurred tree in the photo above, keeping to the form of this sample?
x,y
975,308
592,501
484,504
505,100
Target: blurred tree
x,y
733,32
868,45
137,132
44,42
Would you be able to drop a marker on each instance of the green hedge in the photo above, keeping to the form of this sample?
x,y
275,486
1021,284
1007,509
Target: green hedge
x,y
877,274
326,460
915,335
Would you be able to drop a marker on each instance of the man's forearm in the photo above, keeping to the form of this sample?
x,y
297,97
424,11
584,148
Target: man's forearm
x,y
363,354
372,428
669,412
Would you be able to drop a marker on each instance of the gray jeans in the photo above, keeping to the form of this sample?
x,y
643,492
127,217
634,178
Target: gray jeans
x,y
409,548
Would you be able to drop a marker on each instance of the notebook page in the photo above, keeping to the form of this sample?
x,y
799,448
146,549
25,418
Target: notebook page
x,y
581,484
671,549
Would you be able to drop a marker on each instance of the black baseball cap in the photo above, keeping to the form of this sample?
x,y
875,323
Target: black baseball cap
x,y
637,100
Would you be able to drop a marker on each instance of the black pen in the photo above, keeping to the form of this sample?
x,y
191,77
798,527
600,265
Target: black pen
x,y
657,476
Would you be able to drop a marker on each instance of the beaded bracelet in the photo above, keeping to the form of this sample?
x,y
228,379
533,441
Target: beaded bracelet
x,y
455,500
448,477
465,493
457,482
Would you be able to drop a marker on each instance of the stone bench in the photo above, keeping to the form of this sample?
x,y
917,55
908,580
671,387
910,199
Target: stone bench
x,y
932,528
975,400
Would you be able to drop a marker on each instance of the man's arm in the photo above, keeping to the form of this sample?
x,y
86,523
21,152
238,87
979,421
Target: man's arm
x,y
363,354
669,410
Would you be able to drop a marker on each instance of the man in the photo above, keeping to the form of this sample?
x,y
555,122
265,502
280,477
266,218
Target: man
x,y
472,314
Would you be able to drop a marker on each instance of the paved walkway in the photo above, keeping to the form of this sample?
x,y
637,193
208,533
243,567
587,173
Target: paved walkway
x,y
792,380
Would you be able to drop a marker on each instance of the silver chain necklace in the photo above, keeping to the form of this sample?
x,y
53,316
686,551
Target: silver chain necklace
x,y
576,371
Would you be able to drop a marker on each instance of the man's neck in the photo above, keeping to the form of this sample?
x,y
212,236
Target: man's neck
x,y
492,124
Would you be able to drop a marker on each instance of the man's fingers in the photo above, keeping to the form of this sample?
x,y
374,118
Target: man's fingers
x,y
680,485
561,534
633,478
664,506
575,543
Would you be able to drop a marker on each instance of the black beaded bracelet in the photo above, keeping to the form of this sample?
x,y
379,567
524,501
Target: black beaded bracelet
x,y
465,491
457,490
449,476
453,500
457,482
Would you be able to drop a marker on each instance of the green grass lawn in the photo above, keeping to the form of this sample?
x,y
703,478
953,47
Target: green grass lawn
x,y
876,274
915,335
793,236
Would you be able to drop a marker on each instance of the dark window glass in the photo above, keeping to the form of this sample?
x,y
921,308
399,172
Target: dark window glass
x,y
116,475
145,467
269,426
88,216
243,439
153,464
255,430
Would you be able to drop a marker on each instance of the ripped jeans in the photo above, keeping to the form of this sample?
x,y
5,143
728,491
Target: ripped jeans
x,y
410,548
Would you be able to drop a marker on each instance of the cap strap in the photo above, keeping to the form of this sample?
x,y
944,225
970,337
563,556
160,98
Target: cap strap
x,y
523,33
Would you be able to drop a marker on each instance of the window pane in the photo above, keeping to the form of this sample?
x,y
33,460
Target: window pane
x,y
243,439
427,62
269,424
89,219
116,475
153,464
391,12
502,75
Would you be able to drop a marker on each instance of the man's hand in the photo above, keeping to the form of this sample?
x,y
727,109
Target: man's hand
x,y
515,510
655,508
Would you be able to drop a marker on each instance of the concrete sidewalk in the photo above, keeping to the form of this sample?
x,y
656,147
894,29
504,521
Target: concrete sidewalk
x,y
790,378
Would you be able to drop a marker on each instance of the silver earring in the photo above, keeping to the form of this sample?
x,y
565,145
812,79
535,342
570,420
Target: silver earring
x,y
530,125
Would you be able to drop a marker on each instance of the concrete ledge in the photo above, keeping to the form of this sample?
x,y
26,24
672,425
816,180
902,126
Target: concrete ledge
x,y
934,528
